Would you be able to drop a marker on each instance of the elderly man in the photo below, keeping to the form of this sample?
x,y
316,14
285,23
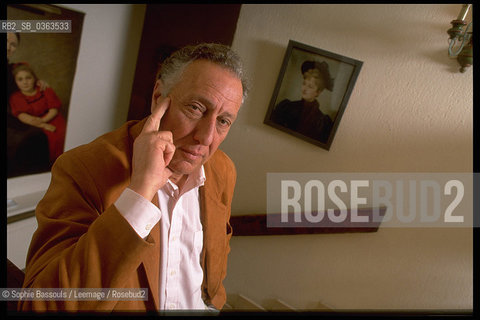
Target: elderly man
x,y
147,205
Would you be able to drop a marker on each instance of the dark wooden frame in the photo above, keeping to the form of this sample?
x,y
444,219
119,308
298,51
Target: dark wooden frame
x,y
341,94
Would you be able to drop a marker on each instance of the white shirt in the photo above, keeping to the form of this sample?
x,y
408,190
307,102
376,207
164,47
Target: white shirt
x,y
181,238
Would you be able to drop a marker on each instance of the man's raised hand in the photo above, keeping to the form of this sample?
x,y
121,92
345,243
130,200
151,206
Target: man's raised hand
x,y
152,152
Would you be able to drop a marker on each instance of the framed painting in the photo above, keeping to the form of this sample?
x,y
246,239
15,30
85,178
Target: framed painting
x,y
41,68
311,93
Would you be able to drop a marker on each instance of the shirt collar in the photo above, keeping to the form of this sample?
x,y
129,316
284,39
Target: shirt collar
x,y
201,177
195,179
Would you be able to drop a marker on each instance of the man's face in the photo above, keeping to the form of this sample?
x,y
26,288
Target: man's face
x,y
12,44
204,104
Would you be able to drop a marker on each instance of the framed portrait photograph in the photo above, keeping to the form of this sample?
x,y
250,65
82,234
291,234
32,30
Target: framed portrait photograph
x,y
40,71
311,93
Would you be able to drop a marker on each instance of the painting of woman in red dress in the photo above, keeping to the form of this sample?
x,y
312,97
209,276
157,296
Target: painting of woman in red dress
x,y
38,108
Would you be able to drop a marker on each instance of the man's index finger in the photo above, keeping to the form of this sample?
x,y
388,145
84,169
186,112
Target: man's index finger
x,y
153,121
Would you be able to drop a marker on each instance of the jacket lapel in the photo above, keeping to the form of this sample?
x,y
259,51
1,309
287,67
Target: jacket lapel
x,y
213,216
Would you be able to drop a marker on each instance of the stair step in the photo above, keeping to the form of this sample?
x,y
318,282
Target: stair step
x,y
241,302
323,307
277,305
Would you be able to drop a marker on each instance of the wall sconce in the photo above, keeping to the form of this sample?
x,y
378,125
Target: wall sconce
x,y
464,53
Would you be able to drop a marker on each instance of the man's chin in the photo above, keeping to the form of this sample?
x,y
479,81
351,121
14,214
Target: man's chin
x,y
183,167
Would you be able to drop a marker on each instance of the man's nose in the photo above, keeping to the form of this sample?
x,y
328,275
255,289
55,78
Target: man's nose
x,y
205,130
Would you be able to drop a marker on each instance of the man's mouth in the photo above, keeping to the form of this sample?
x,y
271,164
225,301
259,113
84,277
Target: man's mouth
x,y
191,154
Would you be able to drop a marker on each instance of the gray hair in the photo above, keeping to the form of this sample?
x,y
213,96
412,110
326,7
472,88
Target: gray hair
x,y
172,68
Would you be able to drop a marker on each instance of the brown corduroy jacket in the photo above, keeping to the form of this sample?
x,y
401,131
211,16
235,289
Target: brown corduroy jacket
x,y
82,241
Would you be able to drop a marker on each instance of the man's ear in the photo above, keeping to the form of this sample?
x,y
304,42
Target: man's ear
x,y
157,93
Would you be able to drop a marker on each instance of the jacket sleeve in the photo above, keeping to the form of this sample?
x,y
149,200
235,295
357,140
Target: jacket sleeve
x,y
82,241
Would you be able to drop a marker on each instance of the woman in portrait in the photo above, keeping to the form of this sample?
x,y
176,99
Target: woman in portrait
x,y
304,116
38,108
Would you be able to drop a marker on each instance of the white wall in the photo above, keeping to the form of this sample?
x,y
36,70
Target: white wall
x,y
410,111
105,70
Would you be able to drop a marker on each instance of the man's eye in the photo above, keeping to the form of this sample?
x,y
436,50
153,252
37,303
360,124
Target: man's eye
x,y
195,108
224,122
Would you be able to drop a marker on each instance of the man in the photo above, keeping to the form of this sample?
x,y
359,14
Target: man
x,y
147,205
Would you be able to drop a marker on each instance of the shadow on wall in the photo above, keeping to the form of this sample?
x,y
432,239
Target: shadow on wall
x,y
440,57
125,80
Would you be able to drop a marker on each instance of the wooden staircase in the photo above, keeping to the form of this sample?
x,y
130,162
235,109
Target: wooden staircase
x,y
240,302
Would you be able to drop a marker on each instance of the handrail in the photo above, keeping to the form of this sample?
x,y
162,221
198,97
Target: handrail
x,y
257,224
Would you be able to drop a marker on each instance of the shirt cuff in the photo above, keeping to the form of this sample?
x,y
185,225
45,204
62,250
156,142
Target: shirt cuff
x,y
140,213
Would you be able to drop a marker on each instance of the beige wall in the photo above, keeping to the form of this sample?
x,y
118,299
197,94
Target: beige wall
x,y
410,111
